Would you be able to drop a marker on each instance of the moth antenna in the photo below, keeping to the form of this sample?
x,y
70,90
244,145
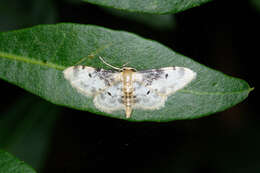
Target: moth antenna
x,y
125,64
119,69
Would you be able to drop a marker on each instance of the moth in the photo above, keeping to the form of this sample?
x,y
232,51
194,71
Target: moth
x,y
126,88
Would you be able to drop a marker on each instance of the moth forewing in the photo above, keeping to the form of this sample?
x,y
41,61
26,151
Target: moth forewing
x,y
165,80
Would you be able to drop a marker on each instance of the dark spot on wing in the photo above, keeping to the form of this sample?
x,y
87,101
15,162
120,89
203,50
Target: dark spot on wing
x,y
109,93
166,76
148,92
75,71
90,75
98,70
75,67
151,75
105,75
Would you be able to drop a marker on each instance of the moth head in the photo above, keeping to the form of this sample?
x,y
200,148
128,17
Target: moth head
x,y
128,69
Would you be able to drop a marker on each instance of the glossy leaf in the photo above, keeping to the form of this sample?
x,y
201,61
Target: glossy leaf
x,y
34,59
150,6
153,21
10,164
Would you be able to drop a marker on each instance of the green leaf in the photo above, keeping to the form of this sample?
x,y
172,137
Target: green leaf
x,y
150,6
9,164
34,59
154,21
18,14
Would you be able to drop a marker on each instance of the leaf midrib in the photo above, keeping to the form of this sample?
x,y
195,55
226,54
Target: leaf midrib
x,y
215,93
59,67
30,61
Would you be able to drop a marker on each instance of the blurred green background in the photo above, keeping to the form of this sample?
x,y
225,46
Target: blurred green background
x,y
223,35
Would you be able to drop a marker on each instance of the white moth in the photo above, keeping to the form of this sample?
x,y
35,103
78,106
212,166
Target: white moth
x,y
128,89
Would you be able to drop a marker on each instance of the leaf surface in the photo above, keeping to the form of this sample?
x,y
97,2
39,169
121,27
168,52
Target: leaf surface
x,y
34,59
10,164
150,6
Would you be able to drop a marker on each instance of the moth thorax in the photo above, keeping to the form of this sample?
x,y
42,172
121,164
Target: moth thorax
x,y
127,81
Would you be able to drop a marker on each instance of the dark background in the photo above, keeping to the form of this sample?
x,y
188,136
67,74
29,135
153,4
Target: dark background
x,y
223,35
